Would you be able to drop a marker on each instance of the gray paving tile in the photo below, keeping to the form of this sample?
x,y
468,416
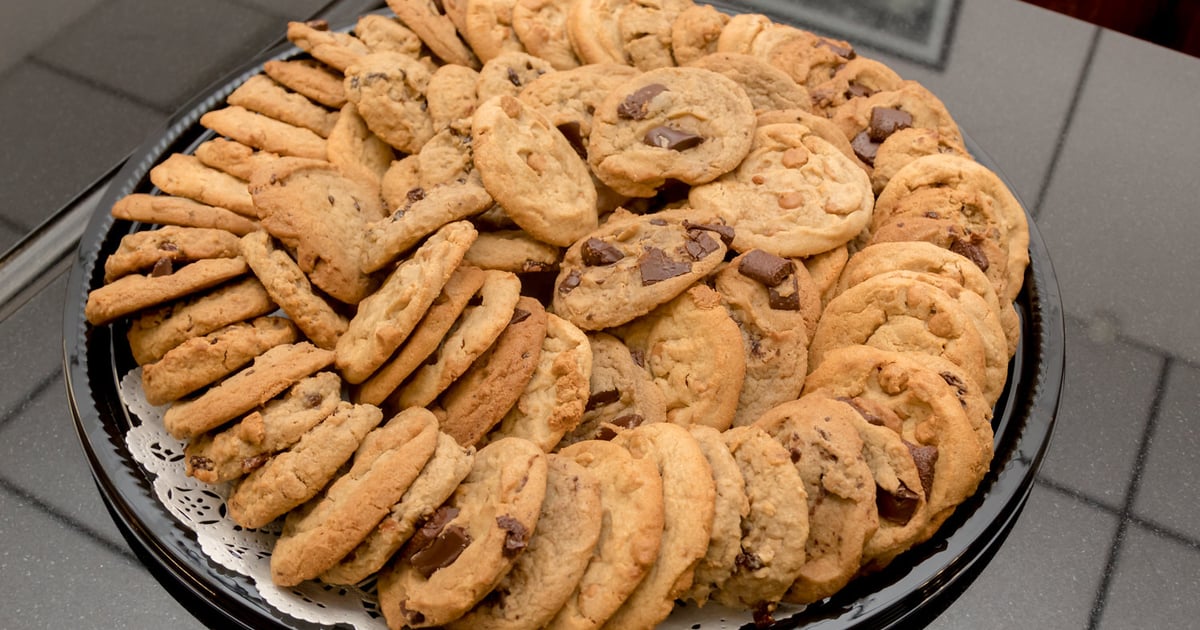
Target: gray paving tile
x,y
1170,483
1109,390
9,235
1155,585
1045,575
290,9
54,576
162,53
26,24
1114,253
33,333
1001,100
60,136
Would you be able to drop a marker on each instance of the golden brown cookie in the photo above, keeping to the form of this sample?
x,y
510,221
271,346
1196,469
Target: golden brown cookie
x,y
264,95
186,176
135,292
171,210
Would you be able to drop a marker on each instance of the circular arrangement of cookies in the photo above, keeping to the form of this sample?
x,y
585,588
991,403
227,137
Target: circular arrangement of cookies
x,y
557,313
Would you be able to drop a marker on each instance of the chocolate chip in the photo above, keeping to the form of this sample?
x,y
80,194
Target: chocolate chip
x,y
569,283
638,357
318,25
605,433
864,147
415,195
970,251
574,135
765,267
785,301
845,52
665,137
763,615
635,106
885,121
441,552
516,535
858,406
251,464
162,267
655,266
954,381
519,315
925,457
748,561
629,421
596,252
168,246
198,462
312,400
514,78
858,90
724,231
433,526
897,507
600,399
699,245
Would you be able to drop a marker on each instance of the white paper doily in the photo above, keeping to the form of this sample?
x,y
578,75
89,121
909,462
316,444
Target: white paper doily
x,y
201,508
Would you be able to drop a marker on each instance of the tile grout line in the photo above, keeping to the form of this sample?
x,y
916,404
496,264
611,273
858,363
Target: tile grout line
x,y
41,386
1068,119
1126,513
67,520
94,84
1092,502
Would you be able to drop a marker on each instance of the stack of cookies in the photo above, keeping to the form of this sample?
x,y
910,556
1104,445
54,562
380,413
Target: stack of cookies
x,y
555,313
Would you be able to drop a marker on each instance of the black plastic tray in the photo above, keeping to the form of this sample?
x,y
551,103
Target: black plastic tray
x,y
915,588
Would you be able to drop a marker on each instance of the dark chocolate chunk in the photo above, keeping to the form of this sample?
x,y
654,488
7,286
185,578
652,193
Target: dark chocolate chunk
x,y
432,526
251,464
200,463
519,315
765,267
699,245
629,421
655,266
970,251
569,283
600,399
785,301
865,148
858,90
162,267
748,561
516,535
638,357
886,121
574,135
845,52
897,507
514,78
672,139
596,252
441,552
318,25
168,246
635,106
724,231
924,457
415,195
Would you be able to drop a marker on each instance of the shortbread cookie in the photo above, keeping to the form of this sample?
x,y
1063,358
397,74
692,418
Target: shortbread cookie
x,y
262,94
170,210
186,176
508,73
768,87
793,195
244,447
541,27
167,247
472,334
356,151
264,133
631,498
155,332
385,318
686,124
290,289
828,452
547,572
296,475
309,77
695,32
334,48
460,288
731,505
271,373
488,28
451,95
424,213
693,349
446,468
771,555
621,393
464,550
201,361
320,215
477,400
135,292
385,465
388,88
381,33
553,401
512,250
904,315
934,418
689,495
233,157
435,29
772,300
859,77
531,170
633,263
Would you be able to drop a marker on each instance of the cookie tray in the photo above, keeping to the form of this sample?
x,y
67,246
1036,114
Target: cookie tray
x,y
918,585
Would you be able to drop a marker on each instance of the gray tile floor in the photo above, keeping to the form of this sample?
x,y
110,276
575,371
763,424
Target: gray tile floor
x,y
1110,529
